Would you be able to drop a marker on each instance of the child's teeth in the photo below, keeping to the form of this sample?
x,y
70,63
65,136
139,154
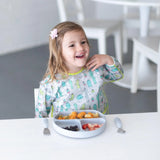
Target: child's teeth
x,y
79,56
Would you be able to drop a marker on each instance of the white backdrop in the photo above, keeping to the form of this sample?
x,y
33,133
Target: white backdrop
x,y
25,24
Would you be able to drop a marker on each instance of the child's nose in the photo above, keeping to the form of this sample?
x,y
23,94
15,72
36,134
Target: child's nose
x,y
80,47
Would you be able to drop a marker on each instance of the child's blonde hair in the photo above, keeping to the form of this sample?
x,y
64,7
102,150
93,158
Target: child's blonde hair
x,y
56,63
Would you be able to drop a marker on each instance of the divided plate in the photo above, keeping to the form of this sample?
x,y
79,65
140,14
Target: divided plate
x,y
59,125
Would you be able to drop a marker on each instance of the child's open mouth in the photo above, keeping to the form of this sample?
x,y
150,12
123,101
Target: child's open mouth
x,y
80,56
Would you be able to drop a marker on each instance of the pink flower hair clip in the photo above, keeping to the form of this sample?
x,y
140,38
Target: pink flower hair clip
x,y
54,34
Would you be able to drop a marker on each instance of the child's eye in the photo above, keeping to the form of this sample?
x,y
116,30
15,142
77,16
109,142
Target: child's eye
x,y
83,42
72,45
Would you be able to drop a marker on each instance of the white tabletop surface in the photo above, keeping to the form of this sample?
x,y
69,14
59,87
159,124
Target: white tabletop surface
x,y
154,3
22,139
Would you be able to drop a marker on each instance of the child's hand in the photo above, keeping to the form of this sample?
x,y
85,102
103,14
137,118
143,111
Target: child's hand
x,y
98,60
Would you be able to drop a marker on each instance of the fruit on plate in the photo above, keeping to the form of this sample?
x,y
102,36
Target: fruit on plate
x,y
85,126
72,128
91,127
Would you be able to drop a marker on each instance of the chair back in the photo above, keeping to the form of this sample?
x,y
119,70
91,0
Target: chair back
x,y
149,47
35,95
70,10
158,80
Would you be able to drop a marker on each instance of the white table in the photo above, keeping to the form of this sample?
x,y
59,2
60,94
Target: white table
x,y
22,139
147,72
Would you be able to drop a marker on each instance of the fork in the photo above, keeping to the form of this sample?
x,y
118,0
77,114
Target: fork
x,y
46,130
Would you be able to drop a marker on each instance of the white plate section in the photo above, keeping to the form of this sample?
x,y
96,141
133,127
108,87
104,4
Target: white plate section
x,y
59,125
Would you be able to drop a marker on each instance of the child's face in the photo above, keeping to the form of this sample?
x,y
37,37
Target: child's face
x,y
75,50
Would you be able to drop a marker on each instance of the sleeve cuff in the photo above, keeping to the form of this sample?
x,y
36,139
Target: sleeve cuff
x,y
112,65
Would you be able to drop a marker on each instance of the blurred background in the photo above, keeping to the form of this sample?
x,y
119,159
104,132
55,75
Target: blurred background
x,y
24,32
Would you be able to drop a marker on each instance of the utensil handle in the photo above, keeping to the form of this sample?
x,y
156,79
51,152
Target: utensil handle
x,y
118,122
45,122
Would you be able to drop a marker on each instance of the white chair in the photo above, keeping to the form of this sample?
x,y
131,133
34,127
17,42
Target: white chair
x,y
95,29
35,95
150,48
131,24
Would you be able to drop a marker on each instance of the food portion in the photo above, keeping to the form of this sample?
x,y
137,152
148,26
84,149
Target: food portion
x,y
91,127
81,115
72,128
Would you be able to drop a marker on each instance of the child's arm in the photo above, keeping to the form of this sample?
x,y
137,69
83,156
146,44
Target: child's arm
x,y
43,102
99,60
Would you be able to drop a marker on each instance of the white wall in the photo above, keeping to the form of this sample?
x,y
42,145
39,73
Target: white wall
x,y
26,23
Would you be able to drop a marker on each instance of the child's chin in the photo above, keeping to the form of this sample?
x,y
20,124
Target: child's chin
x,y
82,65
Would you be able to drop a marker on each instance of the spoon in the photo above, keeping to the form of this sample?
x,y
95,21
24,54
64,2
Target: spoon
x,y
118,124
